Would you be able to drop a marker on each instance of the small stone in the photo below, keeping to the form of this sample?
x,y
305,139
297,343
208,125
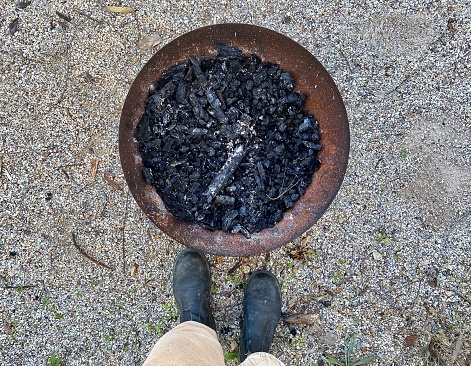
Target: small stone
x,y
246,269
330,338
234,346
377,255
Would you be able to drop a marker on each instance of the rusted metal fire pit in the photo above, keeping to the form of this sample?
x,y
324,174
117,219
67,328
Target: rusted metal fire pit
x,y
323,101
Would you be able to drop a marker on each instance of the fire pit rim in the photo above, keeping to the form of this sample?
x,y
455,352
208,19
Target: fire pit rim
x,y
324,101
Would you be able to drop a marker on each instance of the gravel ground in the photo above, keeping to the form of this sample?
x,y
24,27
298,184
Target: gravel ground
x,y
389,260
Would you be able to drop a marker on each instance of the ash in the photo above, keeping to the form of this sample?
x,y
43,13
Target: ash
x,y
225,142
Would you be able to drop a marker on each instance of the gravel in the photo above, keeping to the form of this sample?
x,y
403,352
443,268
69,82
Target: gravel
x,y
389,259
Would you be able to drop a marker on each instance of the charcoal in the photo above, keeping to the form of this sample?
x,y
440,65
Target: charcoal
x,y
228,219
224,173
213,98
163,93
198,72
240,229
258,77
225,200
226,143
287,80
226,52
305,126
221,99
199,131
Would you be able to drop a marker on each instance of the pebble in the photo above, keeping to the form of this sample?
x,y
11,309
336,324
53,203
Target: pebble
x,y
377,255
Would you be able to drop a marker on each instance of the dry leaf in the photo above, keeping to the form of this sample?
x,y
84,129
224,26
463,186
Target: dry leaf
x,y
218,259
107,178
63,16
411,340
64,25
149,42
306,319
457,348
305,241
13,26
7,326
120,9
330,338
134,270
23,4
94,167
451,28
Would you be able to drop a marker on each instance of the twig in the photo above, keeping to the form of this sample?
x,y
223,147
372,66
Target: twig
x,y
88,256
82,13
346,60
234,267
286,190
461,296
457,348
64,88
123,233
108,179
3,278
1,157
305,319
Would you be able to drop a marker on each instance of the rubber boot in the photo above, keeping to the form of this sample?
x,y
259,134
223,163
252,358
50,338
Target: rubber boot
x,y
191,287
261,313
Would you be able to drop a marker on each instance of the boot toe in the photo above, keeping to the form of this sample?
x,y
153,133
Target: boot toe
x,y
261,313
191,287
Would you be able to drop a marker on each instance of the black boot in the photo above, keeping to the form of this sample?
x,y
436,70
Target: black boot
x,y
191,287
261,313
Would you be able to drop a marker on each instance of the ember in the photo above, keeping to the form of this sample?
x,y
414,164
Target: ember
x,y
225,142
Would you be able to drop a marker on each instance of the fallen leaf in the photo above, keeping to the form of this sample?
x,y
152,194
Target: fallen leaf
x,y
120,9
306,319
451,28
149,42
23,4
7,327
63,16
411,340
94,167
330,338
218,259
108,179
305,241
457,348
134,270
64,25
13,26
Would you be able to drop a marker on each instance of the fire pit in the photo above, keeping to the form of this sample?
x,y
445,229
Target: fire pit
x,y
323,101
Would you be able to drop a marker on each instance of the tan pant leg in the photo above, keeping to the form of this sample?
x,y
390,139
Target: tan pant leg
x,y
261,359
188,344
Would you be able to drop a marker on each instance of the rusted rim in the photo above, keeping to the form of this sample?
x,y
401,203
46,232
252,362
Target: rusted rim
x,y
323,100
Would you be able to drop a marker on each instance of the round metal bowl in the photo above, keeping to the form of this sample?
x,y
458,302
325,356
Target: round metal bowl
x,y
323,101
